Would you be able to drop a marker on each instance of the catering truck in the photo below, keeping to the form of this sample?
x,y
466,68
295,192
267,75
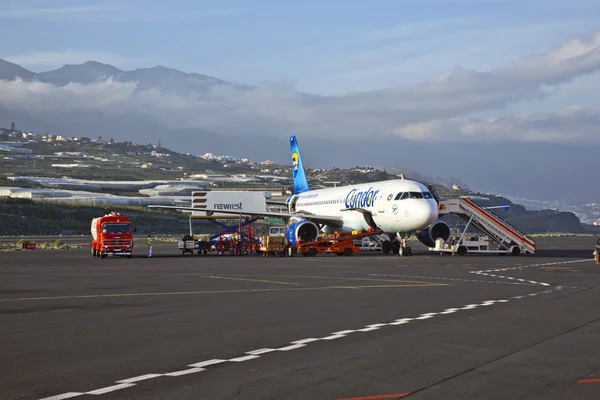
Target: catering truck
x,y
112,235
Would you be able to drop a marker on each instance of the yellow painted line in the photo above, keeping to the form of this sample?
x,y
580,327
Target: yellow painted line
x,y
93,296
244,279
354,279
328,277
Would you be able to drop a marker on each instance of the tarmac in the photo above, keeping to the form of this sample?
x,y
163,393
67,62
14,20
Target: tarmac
x,y
369,326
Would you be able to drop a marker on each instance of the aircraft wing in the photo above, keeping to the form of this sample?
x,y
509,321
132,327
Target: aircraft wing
x,y
277,203
318,219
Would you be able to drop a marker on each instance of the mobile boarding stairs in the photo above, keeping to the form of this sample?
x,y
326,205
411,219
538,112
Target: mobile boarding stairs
x,y
503,238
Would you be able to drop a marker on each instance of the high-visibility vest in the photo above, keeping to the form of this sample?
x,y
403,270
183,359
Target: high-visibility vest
x,y
149,241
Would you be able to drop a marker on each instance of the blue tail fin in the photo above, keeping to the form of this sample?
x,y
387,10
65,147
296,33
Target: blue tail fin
x,y
300,182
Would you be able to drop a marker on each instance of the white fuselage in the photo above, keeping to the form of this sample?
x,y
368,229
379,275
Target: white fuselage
x,y
382,201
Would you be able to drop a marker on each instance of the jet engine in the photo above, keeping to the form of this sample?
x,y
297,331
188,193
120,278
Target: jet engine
x,y
304,230
439,229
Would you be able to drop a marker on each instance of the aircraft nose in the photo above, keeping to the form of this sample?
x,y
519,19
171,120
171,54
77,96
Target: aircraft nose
x,y
427,213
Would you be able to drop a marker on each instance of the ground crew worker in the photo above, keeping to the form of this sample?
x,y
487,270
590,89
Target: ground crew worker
x,y
597,252
149,243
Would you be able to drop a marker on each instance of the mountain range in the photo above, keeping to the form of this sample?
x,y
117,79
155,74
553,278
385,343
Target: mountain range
x,y
149,105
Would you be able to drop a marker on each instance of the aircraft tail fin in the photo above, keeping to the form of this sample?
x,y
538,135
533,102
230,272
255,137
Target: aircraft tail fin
x,y
300,181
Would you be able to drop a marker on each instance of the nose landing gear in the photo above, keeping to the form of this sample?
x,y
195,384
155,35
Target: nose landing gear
x,y
399,245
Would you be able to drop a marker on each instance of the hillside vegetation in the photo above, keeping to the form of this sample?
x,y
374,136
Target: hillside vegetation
x,y
23,217
130,161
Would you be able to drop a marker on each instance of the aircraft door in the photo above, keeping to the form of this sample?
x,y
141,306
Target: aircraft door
x,y
293,204
381,204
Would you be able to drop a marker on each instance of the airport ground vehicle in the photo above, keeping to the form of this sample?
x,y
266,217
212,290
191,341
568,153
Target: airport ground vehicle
x,y
112,235
342,245
477,244
273,246
187,245
495,235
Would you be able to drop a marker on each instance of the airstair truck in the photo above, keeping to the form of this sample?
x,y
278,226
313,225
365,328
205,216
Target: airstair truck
x,y
112,235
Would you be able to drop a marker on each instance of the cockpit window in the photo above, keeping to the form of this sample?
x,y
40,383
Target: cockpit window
x,y
416,195
427,195
398,196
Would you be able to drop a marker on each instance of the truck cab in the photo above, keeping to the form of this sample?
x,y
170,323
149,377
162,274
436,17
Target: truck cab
x,y
112,235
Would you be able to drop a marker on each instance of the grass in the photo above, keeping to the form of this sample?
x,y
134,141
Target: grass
x,y
56,245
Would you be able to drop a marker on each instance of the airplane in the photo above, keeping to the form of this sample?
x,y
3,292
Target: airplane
x,y
396,207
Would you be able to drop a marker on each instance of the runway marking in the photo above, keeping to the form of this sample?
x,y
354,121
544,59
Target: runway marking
x,y
185,372
242,279
522,267
207,363
302,343
64,396
93,296
109,389
294,345
348,279
452,279
589,381
381,396
138,378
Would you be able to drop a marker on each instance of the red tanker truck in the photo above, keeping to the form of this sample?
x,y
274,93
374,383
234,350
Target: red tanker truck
x,y
112,235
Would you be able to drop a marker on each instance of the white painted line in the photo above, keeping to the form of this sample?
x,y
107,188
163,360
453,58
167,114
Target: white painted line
x,y
344,332
260,351
244,358
185,372
139,378
207,363
450,310
250,355
371,328
293,347
304,341
64,396
427,316
333,337
401,321
109,389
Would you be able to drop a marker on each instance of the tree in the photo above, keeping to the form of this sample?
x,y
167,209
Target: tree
x,y
13,127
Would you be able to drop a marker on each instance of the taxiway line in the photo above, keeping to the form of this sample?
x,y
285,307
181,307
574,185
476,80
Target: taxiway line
x,y
92,296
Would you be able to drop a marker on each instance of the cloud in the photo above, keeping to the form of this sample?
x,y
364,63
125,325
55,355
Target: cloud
x,y
52,59
423,112
425,42
573,123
